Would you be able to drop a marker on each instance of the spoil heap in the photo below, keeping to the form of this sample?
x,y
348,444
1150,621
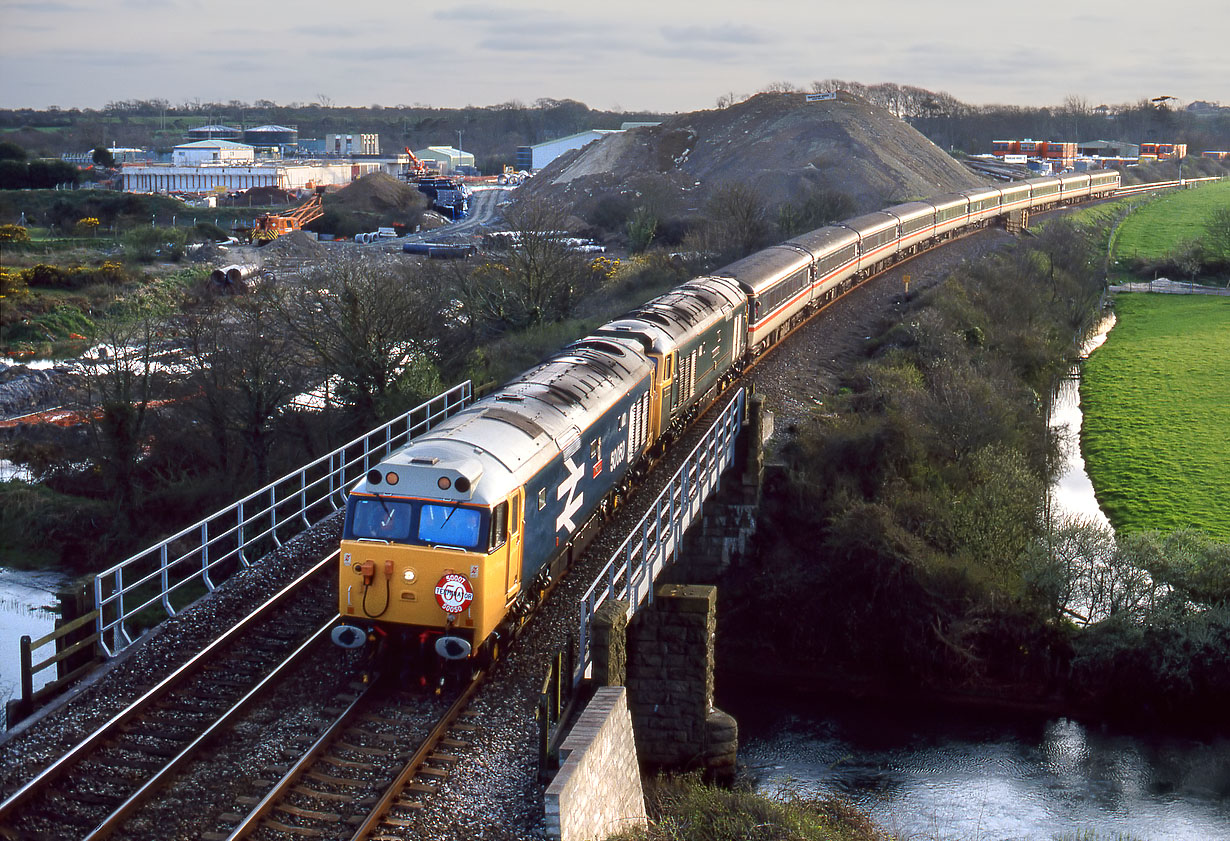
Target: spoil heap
x,y
779,144
377,192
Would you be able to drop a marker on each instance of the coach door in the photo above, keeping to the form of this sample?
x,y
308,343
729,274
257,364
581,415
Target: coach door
x,y
666,402
515,536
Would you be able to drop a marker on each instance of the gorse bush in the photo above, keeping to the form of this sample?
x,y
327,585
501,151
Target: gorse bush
x,y
75,277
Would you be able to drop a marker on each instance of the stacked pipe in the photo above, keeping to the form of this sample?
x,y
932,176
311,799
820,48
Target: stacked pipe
x,y
237,277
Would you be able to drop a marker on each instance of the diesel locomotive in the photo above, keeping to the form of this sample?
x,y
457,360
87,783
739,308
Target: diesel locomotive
x,y
450,542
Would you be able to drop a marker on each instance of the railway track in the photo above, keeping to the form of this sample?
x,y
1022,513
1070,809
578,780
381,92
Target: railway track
x,y
366,776
92,789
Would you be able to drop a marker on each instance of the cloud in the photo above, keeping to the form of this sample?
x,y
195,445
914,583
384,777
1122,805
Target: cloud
x,y
51,7
726,34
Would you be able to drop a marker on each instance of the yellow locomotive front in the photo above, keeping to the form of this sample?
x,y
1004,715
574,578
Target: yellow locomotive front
x,y
427,562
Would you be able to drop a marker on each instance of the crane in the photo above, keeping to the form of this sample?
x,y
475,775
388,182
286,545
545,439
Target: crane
x,y
270,226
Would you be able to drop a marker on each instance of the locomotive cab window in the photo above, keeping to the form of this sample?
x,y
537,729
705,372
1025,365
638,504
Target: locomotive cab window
x,y
595,450
499,525
514,521
542,499
450,525
381,519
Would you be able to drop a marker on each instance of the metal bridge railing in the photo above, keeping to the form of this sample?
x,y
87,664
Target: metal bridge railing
x,y
656,541
169,576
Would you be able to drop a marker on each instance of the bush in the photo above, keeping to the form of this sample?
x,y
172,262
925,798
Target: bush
x,y
685,809
75,277
144,245
14,233
209,232
12,284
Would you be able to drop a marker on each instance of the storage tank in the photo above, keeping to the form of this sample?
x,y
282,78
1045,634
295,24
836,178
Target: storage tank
x,y
214,132
271,137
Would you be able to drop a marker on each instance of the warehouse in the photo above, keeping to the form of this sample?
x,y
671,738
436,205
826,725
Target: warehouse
x,y
540,154
447,158
211,177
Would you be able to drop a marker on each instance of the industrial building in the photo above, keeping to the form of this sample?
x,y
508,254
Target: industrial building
x,y
1108,149
214,132
540,154
1162,151
536,157
225,176
447,158
342,145
281,139
1060,154
212,151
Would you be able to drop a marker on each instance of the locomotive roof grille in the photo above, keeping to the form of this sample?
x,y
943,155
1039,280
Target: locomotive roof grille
x,y
523,422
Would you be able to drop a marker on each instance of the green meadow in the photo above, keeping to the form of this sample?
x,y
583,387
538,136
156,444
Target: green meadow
x,y
1156,401
1162,225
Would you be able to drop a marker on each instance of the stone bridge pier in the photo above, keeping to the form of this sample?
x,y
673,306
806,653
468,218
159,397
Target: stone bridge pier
x,y
665,655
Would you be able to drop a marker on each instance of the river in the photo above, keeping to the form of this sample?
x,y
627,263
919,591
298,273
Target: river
x,y
958,777
932,775
25,601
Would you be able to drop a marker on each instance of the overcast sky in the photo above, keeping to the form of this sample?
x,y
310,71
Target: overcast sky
x,y
628,54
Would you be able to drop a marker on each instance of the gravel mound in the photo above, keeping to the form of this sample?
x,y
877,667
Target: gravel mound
x,y
779,144
296,246
377,192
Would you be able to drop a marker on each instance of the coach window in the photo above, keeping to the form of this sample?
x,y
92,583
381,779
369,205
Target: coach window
x,y
499,525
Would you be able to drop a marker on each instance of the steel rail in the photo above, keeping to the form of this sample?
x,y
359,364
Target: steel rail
x,y
151,786
95,740
283,786
446,721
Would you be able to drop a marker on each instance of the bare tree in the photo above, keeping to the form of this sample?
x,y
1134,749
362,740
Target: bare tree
x,y
362,321
244,370
536,278
117,397
736,222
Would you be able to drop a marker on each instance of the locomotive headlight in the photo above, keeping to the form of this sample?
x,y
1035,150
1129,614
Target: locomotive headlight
x,y
409,575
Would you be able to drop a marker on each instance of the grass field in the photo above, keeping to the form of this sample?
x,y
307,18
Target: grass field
x,y
1156,399
1162,225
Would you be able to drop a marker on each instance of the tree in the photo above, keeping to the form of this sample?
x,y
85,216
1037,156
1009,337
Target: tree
x,y
117,397
102,157
736,222
1217,235
246,370
365,325
10,151
536,277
